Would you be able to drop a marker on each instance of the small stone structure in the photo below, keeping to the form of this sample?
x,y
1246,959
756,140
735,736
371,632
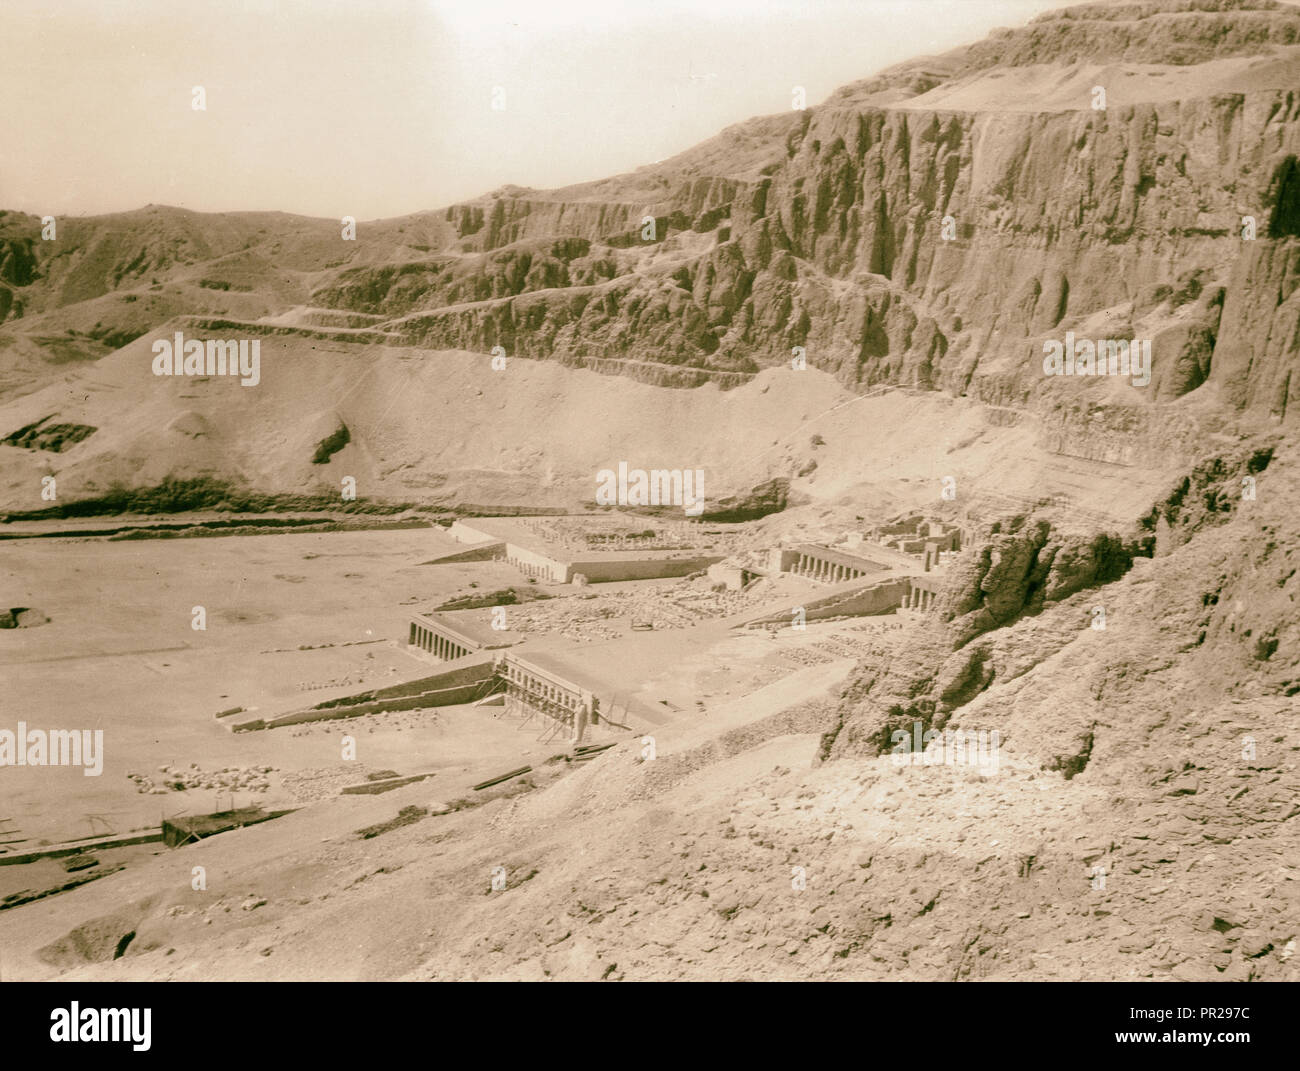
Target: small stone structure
x,y
432,633
457,633
917,535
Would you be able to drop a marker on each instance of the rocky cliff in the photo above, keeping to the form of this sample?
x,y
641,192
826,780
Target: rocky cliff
x,y
915,231
930,227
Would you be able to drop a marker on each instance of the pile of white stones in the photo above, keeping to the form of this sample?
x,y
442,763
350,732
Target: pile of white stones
x,y
229,779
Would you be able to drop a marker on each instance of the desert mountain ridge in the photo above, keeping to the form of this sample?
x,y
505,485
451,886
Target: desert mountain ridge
x,y
820,230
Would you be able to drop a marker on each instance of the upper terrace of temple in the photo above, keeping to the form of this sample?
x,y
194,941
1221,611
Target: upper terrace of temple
x,y
592,548
913,534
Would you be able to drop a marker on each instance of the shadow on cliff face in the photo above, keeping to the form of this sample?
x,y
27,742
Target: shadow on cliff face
x,y
766,498
1284,192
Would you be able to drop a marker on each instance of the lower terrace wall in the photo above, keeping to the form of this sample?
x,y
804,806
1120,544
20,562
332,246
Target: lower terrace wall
x,y
597,570
459,685
879,598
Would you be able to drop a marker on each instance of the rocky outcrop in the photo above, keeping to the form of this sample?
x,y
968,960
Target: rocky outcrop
x,y
42,435
1206,497
22,617
17,261
1025,592
771,496
1022,566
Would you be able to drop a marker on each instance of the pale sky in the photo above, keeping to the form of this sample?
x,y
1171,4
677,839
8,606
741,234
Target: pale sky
x,y
375,108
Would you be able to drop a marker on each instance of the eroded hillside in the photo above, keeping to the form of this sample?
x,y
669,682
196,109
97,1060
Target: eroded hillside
x,y
1140,823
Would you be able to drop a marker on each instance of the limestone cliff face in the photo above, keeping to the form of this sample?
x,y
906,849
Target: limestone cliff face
x,y
1021,567
1055,218
1125,222
931,228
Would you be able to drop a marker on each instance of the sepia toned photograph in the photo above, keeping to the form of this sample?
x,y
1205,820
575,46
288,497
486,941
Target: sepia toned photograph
x,y
736,490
